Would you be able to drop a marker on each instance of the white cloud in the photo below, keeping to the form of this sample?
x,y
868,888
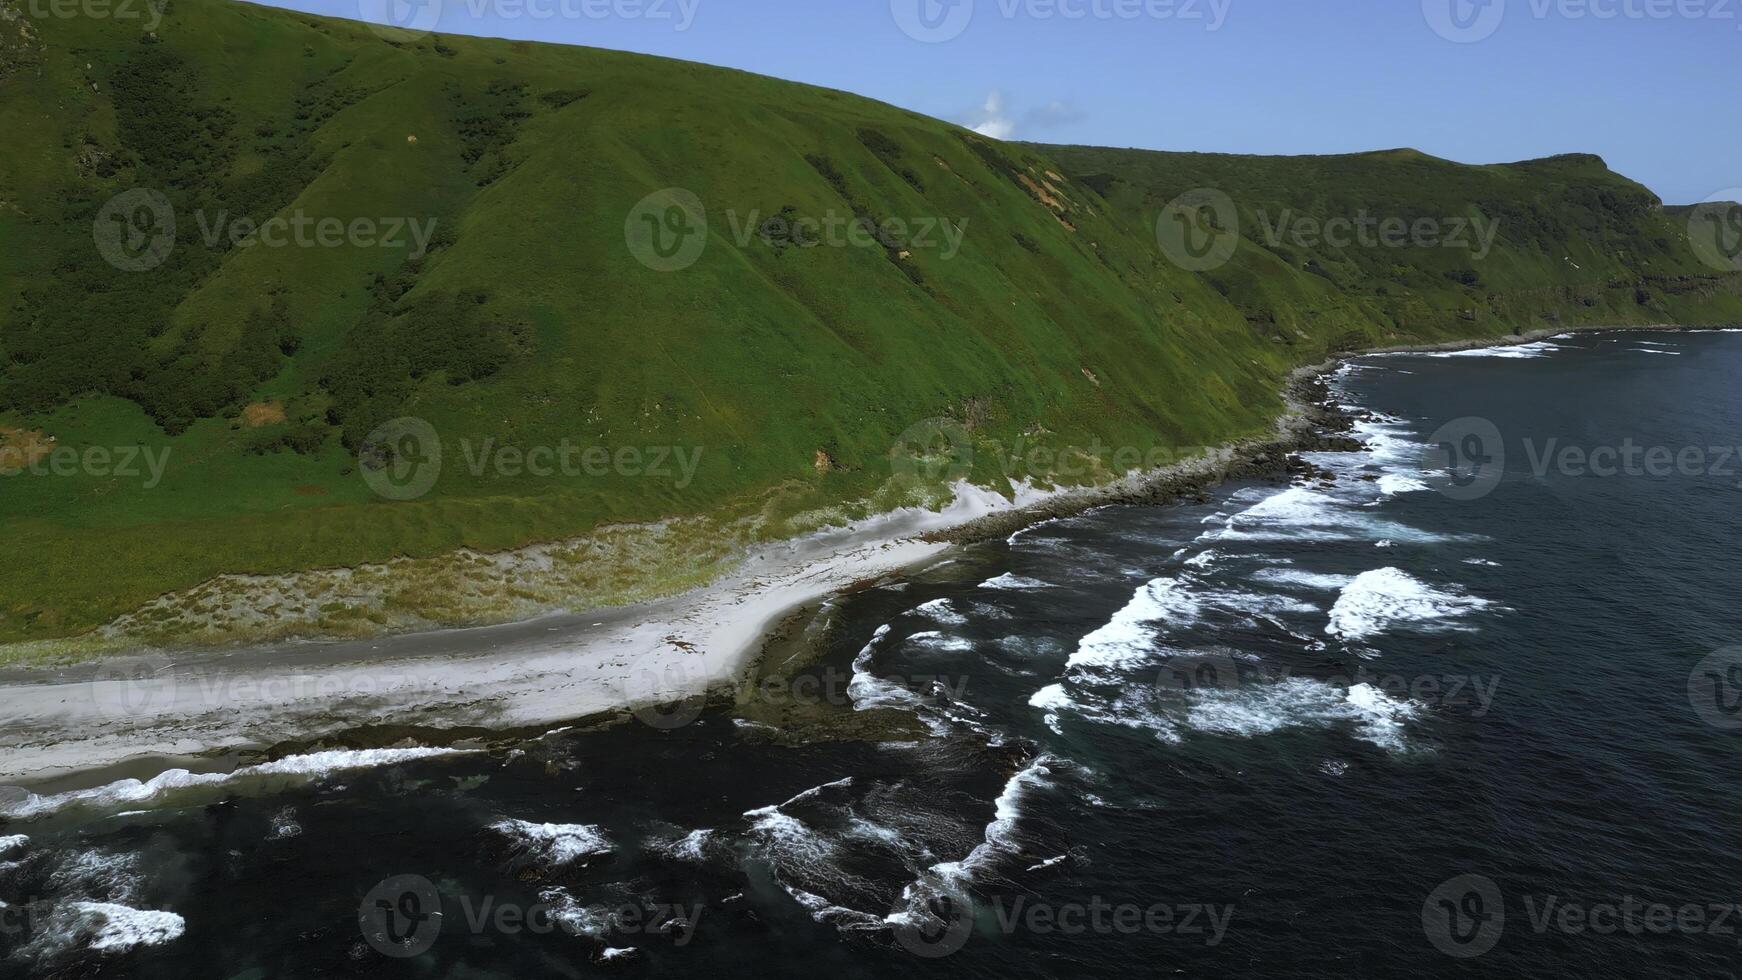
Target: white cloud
x,y
989,119
994,118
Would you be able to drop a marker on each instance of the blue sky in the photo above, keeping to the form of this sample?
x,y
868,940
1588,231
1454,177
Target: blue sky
x,y
1648,84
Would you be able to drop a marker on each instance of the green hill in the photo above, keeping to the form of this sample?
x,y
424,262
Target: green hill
x,y
481,234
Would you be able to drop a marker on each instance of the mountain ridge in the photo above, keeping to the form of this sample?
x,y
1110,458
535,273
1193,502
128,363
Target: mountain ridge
x,y
1013,291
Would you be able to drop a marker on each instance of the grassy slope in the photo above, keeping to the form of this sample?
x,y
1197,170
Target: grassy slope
x,y
759,356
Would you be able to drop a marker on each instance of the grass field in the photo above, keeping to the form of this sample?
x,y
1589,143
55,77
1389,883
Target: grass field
x,y
526,295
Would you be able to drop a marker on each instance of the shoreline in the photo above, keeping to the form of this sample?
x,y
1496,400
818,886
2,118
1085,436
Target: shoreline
x,y
84,724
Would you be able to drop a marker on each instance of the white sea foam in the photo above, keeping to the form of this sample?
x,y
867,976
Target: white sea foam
x,y
1130,707
1541,348
115,928
1297,702
94,874
867,690
826,912
941,611
790,840
1648,350
593,921
984,611
553,844
1305,514
1051,697
800,853
128,791
1262,709
691,846
934,640
1203,559
1013,582
815,792
284,825
1127,639
1389,441
1391,484
1381,717
1000,838
1321,581
13,843
1387,597
1049,862
326,763
1053,700
1032,647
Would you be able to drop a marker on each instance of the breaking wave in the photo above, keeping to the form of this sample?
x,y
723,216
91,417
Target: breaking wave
x,y
132,791
1385,598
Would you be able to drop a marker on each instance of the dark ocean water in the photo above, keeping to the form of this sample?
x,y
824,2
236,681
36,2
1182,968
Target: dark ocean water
x,y
1398,722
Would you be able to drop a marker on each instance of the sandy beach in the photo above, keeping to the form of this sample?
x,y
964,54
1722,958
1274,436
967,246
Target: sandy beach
x,y
77,726
136,715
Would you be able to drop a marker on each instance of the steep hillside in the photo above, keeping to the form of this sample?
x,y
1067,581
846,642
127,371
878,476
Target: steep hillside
x,y
1497,248
238,243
